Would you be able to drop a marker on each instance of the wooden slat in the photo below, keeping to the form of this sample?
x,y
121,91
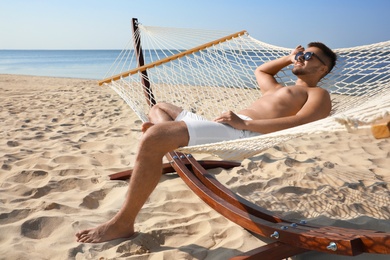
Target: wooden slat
x,y
124,175
170,58
381,129
271,251
167,168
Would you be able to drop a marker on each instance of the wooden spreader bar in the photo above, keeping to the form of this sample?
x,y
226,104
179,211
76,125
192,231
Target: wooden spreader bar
x,y
170,58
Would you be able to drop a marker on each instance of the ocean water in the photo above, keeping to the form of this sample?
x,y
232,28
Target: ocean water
x,y
94,64
88,64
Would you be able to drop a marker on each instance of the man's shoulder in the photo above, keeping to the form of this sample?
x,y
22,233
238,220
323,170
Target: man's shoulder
x,y
319,94
319,90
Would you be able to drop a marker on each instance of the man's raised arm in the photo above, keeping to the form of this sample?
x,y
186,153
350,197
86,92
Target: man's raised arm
x,y
265,73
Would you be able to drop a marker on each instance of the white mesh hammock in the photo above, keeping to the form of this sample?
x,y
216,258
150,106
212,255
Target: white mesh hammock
x,y
193,70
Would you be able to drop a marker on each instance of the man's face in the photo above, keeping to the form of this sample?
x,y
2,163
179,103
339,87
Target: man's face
x,y
311,66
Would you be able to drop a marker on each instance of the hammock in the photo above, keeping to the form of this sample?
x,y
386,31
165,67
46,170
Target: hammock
x,y
208,72
191,69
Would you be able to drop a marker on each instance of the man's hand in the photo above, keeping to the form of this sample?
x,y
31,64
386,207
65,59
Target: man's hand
x,y
231,119
294,52
265,73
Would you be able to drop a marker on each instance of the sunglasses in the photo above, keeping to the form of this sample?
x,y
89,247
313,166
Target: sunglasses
x,y
308,55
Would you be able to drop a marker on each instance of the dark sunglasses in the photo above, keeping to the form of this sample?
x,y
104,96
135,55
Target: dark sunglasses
x,y
308,55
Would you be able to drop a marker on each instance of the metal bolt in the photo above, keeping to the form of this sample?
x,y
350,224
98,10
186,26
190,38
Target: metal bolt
x,y
175,157
294,225
303,222
182,157
332,246
189,155
275,235
284,227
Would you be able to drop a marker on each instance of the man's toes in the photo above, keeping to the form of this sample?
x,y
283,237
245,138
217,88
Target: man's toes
x,y
84,239
80,233
82,236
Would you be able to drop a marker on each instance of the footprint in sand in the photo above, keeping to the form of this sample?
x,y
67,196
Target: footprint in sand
x,y
59,207
12,143
246,190
91,136
91,201
138,244
70,159
41,227
14,216
60,186
28,176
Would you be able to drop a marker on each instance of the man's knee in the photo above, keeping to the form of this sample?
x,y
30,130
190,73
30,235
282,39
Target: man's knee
x,y
168,135
166,108
158,113
154,109
160,106
156,106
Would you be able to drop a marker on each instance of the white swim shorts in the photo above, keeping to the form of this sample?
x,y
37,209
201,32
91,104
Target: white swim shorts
x,y
203,131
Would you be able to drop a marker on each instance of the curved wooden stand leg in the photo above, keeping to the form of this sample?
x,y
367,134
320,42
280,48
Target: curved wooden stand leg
x,y
290,238
167,168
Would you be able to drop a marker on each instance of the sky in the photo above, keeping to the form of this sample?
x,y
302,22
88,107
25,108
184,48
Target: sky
x,y
106,24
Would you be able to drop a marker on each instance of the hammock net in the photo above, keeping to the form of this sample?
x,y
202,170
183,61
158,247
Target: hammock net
x,y
207,72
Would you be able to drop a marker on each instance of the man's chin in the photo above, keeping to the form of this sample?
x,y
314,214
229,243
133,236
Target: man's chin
x,y
298,71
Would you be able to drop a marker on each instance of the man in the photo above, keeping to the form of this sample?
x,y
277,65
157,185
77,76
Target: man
x,y
171,127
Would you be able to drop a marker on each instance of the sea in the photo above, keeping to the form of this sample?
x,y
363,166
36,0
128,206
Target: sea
x,y
95,64
85,64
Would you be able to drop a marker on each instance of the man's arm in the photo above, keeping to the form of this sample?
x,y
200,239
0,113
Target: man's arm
x,y
265,73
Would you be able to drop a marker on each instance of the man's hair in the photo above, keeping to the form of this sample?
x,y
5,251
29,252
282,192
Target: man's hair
x,y
327,51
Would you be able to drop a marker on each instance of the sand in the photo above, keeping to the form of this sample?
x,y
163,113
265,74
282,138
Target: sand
x,y
61,138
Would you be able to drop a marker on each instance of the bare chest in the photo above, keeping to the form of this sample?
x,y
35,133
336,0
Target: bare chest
x,y
284,101
294,95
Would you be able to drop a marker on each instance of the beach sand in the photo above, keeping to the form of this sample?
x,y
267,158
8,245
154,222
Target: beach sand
x,y
61,138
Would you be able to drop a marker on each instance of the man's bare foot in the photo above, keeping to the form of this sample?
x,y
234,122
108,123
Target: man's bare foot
x,y
146,126
105,232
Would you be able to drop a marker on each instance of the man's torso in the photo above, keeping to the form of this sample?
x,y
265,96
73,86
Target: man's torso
x,y
281,102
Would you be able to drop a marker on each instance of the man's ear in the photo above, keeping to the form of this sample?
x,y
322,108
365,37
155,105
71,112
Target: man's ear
x,y
324,70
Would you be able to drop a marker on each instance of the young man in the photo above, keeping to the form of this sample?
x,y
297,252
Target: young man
x,y
170,127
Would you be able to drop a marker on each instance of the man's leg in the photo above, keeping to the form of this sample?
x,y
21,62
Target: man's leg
x,y
156,142
162,112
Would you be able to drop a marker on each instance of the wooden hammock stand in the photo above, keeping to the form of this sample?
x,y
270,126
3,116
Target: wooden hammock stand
x,y
291,238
